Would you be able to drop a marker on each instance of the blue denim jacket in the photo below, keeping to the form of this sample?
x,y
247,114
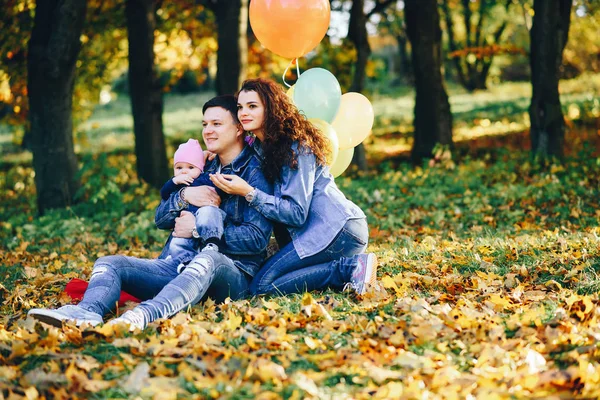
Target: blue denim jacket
x,y
247,232
308,202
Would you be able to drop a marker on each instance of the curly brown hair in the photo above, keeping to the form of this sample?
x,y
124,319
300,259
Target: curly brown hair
x,y
283,125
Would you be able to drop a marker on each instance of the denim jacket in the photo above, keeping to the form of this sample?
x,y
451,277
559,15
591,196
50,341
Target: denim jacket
x,y
246,231
308,202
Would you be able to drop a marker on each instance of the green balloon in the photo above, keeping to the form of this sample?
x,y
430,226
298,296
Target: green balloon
x,y
317,94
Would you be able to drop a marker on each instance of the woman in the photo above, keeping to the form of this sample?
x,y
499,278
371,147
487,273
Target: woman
x,y
326,233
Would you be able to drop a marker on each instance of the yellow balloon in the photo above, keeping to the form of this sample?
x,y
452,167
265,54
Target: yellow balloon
x,y
330,134
354,120
342,162
290,93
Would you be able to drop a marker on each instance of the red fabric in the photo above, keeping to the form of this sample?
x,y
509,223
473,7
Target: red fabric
x,y
76,288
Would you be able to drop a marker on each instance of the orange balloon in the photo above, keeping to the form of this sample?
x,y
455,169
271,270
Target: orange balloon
x,y
290,28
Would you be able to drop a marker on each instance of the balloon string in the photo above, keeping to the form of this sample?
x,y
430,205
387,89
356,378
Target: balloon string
x,y
286,70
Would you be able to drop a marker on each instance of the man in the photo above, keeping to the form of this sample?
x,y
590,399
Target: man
x,y
220,274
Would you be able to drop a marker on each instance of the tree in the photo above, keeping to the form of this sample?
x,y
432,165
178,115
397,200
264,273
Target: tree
x,y
232,53
392,23
145,92
52,55
473,56
357,34
433,120
549,34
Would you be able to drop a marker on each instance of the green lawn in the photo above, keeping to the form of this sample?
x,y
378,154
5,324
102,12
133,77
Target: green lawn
x,y
489,279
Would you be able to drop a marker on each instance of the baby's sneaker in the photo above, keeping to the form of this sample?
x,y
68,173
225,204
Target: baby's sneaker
x,y
132,318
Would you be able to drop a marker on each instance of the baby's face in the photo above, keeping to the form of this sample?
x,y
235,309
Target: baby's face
x,y
186,168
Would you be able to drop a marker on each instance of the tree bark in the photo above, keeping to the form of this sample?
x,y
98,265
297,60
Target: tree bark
x,y
145,92
357,34
232,54
433,120
52,56
405,69
549,34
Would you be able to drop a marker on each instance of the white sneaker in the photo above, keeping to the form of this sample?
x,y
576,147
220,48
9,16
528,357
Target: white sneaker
x,y
133,318
365,273
68,313
211,247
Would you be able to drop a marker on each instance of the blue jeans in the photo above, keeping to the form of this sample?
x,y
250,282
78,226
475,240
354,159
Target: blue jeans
x,y
209,224
156,281
286,272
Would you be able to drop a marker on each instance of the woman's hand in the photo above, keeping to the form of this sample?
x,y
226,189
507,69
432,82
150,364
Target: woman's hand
x,y
209,156
231,184
184,225
202,196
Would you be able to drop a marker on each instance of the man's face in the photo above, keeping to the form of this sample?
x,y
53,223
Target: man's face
x,y
220,132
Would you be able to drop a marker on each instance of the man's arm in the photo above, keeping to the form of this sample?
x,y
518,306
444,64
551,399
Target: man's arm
x,y
253,234
168,210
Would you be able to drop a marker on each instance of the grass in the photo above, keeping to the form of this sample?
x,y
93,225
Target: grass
x,y
488,280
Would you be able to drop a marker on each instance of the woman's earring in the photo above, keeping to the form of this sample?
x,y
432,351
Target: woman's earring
x,y
250,138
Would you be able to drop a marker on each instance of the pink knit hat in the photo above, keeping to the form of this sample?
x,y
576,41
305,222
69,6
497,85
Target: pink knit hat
x,y
190,152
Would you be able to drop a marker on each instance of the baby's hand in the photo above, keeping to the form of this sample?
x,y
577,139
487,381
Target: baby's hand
x,y
183,179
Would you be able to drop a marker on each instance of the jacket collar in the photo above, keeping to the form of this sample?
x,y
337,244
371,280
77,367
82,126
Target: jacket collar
x,y
257,147
238,163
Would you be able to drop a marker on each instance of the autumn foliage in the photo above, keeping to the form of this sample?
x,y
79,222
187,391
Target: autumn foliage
x,y
488,288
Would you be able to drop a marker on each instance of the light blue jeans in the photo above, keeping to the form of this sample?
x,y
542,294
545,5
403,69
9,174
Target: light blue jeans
x,y
209,224
286,272
209,274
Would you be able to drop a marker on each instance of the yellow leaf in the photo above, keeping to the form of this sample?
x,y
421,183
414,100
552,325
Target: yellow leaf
x,y
270,305
233,320
389,283
310,342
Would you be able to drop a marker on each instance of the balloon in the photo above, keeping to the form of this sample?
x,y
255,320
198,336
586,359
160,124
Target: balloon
x,y
290,28
330,134
342,162
290,93
317,93
354,120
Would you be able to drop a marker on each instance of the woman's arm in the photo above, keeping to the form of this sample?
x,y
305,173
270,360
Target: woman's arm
x,y
252,235
291,207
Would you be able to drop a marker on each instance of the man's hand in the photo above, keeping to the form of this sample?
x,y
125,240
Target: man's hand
x,y
231,184
183,179
184,225
202,196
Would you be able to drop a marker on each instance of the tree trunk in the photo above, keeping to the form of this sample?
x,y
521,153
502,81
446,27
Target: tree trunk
x,y
357,34
232,54
549,34
145,92
433,120
405,69
53,50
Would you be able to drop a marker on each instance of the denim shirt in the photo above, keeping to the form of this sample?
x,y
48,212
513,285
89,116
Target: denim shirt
x,y
246,231
308,202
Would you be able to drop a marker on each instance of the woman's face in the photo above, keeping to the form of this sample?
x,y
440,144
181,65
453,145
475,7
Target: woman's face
x,y
251,113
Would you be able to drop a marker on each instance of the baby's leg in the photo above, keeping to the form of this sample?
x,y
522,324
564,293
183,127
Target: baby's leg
x,y
178,245
210,225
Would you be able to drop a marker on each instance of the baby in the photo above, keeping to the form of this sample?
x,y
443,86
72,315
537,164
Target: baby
x,y
188,165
